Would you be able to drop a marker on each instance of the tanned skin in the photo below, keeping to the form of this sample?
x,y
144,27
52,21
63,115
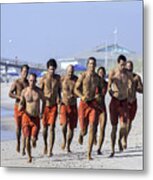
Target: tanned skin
x,y
68,98
137,87
85,88
119,87
30,103
50,85
15,93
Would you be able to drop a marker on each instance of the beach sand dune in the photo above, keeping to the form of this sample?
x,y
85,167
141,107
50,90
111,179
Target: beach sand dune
x,y
131,158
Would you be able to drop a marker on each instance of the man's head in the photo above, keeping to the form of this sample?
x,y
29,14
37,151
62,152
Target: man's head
x,y
32,80
91,64
51,66
101,72
70,70
24,71
121,60
129,66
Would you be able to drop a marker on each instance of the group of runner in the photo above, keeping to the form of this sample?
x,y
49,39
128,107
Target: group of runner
x,y
59,97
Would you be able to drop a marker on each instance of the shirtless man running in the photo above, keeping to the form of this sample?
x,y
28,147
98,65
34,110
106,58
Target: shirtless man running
x,y
68,109
119,87
85,88
15,93
137,86
30,103
50,85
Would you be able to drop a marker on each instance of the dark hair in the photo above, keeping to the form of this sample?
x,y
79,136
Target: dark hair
x,y
91,58
121,57
52,62
130,62
25,66
101,67
34,75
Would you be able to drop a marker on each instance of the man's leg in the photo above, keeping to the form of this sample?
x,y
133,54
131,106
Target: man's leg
x,y
18,136
102,121
83,132
64,132
69,138
45,135
91,139
27,135
122,136
52,138
23,146
28,147
113,139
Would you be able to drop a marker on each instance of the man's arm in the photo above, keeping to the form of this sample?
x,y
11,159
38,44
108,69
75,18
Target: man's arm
x,y
59,90
77,87
42,97
41,83
22,103
110,81
139,85
12,92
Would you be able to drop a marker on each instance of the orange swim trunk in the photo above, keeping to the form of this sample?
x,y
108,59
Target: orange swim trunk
x,y
69,115
18,116
87,114
118,109
50,115
132,109
30,126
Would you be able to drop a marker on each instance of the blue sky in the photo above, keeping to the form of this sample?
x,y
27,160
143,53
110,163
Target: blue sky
x,y
39,31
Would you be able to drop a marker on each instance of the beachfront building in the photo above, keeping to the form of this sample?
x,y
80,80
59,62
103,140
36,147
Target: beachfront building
x,y
106,55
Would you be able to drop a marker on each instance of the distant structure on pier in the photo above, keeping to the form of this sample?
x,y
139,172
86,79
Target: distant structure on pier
x,y
106,55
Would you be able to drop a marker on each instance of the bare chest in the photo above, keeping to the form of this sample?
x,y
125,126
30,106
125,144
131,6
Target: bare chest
x,y
31,96
68,85
120,79
51,84
90,81
20,86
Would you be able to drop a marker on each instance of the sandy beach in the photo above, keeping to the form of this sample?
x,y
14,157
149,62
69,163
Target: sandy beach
x,y
131,158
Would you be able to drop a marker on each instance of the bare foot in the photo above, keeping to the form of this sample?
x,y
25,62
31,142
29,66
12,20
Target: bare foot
x,y
50,154
111,155
34,144
99,152
45,150
23,152
68,150
30,160
63,146
90,158
18,147
120,146
80,140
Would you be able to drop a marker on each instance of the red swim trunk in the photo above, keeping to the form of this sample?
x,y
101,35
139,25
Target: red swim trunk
x,y
118,109
50,115
101,109
132,109
87,114
18,116
30,126
69,114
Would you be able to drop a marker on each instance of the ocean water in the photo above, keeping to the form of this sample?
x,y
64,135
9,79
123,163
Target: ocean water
x,y
6,133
